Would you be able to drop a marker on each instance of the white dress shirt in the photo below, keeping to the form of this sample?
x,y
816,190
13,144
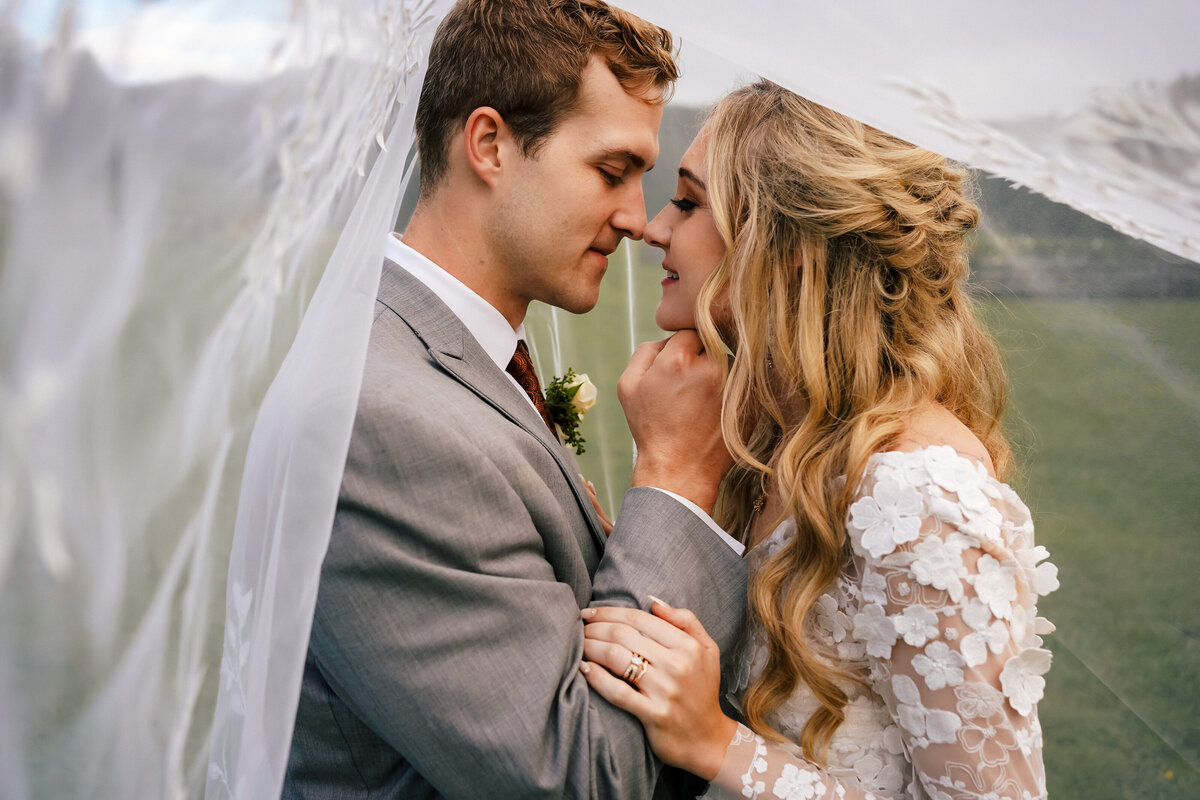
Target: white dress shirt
x,y
497,338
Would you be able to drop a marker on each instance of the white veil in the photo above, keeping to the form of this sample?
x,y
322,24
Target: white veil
x,y
190,191
178,179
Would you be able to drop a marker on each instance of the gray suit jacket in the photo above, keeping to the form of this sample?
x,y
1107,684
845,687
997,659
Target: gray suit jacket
x,y
444,654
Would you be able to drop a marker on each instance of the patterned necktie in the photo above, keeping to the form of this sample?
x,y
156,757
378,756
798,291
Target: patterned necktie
x,y
521,368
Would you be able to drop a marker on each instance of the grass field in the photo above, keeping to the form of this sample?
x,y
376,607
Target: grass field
x,y
1106,421
1107,417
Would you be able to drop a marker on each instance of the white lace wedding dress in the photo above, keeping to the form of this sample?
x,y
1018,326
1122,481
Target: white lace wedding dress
x,y
936,612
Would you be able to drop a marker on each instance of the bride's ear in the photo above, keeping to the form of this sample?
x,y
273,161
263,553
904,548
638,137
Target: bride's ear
x,y
486,143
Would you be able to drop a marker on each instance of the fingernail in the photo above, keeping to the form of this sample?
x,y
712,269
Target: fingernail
x,y
659,600
585,668
587,613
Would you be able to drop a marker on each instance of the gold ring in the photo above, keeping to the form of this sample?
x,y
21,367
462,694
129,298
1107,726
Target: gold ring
x,y
635,670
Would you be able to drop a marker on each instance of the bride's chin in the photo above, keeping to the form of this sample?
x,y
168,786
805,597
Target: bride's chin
x,y
667,321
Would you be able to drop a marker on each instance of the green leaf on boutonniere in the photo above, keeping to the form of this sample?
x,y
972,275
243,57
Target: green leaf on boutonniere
x,y
569,397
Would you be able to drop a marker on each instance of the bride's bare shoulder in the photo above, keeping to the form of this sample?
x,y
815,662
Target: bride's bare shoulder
x,y
933,424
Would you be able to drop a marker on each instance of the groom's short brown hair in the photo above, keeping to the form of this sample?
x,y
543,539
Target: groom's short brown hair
x,y
525,59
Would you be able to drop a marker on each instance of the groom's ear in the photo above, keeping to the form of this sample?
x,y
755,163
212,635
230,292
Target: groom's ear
x,y
487,143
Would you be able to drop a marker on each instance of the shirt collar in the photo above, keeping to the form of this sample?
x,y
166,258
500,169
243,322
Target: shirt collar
x,y
481,319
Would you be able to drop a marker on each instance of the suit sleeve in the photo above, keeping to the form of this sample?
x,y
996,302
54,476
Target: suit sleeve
x,y
442,624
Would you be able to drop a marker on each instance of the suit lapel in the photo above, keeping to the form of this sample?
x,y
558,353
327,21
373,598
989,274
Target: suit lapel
x,y
456,351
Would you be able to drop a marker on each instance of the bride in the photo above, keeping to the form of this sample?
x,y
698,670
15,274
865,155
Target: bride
x,y
892,648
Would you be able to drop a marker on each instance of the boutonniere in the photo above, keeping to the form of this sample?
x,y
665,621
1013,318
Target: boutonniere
x,y
569,397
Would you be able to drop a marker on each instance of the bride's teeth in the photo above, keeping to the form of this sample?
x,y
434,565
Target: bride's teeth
x,y
673,275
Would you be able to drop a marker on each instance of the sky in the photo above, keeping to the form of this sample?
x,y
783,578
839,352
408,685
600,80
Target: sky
x,y
40,17
1064,48
226,39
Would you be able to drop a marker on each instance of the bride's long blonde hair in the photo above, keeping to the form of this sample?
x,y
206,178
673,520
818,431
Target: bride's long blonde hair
x,y
842,293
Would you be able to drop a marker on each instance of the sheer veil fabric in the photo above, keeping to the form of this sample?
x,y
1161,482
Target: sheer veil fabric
x,y
1075,105
179,180
193,204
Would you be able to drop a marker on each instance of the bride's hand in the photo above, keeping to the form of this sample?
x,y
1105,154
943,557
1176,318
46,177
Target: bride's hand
x,y
676,697
605,521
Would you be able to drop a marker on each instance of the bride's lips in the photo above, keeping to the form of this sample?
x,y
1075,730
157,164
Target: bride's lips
x,y
672,276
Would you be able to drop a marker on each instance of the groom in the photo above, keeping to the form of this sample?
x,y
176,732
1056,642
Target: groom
x,y
445,648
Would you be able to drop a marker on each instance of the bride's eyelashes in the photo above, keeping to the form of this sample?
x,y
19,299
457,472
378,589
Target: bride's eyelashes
x,y
683,204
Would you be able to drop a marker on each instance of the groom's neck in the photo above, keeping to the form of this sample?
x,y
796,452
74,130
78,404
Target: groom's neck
x,y
449,234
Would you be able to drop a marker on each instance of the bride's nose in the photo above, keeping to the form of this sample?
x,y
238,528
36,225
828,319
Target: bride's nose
x,y
658,232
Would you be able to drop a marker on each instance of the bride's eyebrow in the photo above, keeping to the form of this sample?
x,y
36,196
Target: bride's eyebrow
x,y
687,174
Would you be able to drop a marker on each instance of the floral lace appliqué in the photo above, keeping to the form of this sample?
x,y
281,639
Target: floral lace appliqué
x,y
937,609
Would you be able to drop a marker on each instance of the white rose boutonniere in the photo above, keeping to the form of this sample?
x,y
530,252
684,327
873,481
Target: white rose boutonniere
x,y
585,394
569,397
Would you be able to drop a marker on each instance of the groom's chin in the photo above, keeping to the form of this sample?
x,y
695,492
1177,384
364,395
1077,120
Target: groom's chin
x,y
580,303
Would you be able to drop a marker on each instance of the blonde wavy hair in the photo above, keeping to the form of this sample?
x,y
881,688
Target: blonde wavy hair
x,y
843,293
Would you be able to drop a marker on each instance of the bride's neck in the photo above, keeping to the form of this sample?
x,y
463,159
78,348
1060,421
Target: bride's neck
x,y
792,403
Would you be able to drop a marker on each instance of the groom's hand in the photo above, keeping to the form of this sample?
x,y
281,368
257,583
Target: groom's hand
x,y
671,393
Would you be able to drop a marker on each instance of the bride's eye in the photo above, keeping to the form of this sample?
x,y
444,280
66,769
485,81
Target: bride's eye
x,y
683,204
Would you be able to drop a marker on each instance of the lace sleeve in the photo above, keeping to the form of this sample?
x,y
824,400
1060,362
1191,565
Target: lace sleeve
x,y
950,578
754,767
944,604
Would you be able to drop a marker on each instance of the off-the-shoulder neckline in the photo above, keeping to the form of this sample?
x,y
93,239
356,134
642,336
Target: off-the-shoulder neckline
x,y
973,461
880,455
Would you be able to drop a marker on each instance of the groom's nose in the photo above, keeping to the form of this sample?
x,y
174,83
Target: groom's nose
x,y
630,215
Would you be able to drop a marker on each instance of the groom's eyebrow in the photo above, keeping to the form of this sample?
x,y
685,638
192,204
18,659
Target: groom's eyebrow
x,y
630,157
687,174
